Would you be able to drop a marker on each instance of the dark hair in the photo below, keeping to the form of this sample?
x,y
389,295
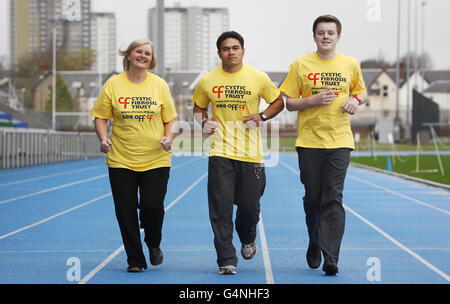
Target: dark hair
x,y
230,34
327,18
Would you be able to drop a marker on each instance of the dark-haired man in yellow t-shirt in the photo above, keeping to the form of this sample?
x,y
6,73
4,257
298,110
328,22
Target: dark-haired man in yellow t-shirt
x,y
236,166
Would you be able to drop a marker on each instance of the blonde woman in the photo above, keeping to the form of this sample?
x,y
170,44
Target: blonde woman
x,y
138,154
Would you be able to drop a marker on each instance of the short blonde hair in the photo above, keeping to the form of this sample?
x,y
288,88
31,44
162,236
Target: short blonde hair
x,y
135,44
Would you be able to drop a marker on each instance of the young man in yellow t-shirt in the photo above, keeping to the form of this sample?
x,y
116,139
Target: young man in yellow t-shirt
x,y
236,166
325,87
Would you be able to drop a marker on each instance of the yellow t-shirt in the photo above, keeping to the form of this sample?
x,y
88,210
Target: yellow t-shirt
x,y
139,112
324,126
234,95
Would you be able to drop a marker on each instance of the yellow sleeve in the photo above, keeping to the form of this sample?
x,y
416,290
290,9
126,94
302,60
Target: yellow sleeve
x,y
103,105
200,97
292,85
168,110
269,91
357,85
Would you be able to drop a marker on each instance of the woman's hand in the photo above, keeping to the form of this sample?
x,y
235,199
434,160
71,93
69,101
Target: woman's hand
x,y
166,143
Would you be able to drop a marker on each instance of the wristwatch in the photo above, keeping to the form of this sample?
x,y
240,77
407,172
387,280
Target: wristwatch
x,y
263,116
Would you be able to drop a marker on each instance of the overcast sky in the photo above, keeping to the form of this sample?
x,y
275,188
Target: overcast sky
x,y
276,32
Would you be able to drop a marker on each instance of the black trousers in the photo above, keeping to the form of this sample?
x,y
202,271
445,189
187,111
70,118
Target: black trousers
x,y
152,186
233,182
322,172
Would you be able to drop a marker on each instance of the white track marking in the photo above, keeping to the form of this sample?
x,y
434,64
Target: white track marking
x,y
47,176
399,194
265,252
55,216
121,248
52,189
390,238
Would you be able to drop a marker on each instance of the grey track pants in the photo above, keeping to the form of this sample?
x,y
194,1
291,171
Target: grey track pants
x,y
233,182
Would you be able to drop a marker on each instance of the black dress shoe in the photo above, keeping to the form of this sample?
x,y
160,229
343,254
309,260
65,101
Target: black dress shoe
x,y
156,256
313,257
330,269
134,269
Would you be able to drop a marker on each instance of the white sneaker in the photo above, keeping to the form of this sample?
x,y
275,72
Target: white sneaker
x,y
229,269
248,251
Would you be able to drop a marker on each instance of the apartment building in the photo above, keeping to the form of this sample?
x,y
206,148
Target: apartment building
x,y
190,34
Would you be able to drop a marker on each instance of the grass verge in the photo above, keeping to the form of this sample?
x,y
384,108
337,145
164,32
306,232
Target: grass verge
x,y
407,165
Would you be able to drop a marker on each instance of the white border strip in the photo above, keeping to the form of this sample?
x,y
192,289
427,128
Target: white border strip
x,y
121,248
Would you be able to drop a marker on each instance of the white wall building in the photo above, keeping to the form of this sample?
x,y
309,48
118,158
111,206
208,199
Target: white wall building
x,y
103,42
190,35
32,23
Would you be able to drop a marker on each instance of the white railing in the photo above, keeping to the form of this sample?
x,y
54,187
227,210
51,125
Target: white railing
x,y
28,147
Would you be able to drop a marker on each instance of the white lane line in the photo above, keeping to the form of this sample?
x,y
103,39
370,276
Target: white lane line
x,y
52,189
101,265
390,238
212,249
41,169
381,188
185,163
121,248
399,194
186,191
296,172
55,216
63,212
47,176
265,251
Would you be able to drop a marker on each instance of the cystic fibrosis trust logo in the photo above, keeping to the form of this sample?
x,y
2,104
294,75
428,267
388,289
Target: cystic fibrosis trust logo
x,y
314,77
231,97
326,79
139,108
218,90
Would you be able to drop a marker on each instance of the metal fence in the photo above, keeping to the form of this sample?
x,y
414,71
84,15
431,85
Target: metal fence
x,y
27,147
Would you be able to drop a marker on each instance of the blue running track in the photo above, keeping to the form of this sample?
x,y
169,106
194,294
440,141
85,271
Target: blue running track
x,y
57,226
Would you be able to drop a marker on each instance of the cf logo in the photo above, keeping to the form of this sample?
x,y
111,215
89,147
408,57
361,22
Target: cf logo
x,y
218,90
313,76
124,101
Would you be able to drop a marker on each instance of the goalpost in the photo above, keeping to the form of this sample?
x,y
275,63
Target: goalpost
x,y
436,142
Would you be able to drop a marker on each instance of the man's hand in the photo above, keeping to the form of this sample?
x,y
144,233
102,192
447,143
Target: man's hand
x,y
210,125
252,121
324,98
350,106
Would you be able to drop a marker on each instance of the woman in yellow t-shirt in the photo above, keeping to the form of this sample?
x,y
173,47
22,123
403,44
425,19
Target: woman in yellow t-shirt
x,y
138,154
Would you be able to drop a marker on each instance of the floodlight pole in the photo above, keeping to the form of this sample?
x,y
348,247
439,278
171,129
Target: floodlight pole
x,y
161,68
397,76
54,80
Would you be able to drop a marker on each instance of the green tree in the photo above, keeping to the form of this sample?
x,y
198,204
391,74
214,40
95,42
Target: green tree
x,y
378,62
28,69
75,61
375,63
64,101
